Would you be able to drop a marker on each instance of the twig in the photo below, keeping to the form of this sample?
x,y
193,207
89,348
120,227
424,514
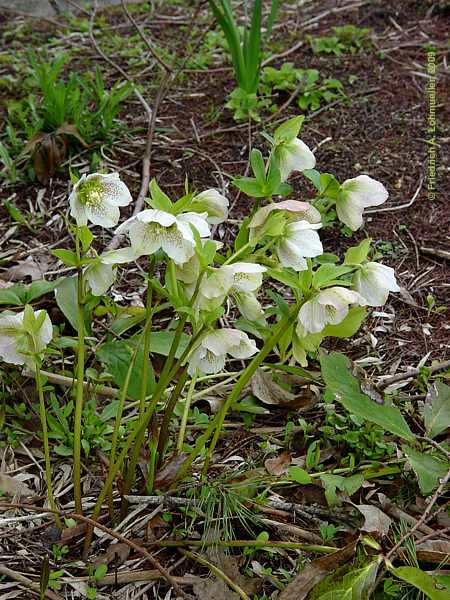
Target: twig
x,y
101,390
139,549
412,373
436,252
122,577
400,206
422,519
217,572
34,587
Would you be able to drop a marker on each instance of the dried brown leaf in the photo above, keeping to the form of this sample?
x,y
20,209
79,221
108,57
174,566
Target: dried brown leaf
x,y
48,155
315,572
375,520
115,553
269,392
278,466
169,472
12,486
69,129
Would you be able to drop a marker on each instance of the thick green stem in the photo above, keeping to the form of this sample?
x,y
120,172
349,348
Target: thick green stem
x,y
187,405
146,344
168,412
79,397
48,468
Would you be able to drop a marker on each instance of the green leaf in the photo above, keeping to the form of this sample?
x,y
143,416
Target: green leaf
x,y
346,391
116,356
328,273
429,470
349,485
299,475
66,294
349,326
249,186
68,257
288,130
357,254
100,571
159,200
13,296
355,585
258,166
314,177
19,294
436,412
86,237
422,581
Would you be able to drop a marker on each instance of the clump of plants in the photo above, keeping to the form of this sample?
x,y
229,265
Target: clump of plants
x,y
344,39
59,116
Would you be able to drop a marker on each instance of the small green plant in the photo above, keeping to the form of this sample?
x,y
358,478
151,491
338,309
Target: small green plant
x,y
345,39
58,115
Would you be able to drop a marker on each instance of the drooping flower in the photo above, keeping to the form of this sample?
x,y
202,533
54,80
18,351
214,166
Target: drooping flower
x,y
247,277
214,288
300,240
152,230
329,307
357,194
294,209
22,337
96,198
210,355
214,204
296,235
248,305
101,273
374,282
293,155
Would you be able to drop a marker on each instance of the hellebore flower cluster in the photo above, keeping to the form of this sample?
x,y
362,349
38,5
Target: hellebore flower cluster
x,y
24,335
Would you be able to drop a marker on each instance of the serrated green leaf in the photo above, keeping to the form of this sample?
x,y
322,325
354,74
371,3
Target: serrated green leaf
x,y
358,254
289,130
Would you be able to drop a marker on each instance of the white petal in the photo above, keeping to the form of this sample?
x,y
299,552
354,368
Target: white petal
x,y
302,210
240,345
189,271
151,215
117,192
212,202
45,334
313,316
103,214
145,238
218,283
290,256
77,210
294,156
247,276
365,190
306,240
374,282
248,306
197,220
175,245
118,257
339,297
349,211
100,277
205,362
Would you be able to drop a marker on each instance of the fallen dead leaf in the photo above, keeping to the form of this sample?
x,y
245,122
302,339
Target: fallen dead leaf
x,y
375,520
28,269
317,570
12,486
213,589
433,551
269,392
169,472
115,553
278,466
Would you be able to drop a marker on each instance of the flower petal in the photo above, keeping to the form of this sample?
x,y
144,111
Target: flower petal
x,y
117,192
374,281
290,256
103,214
214,204
312,316
365,190
294,156
349,211
100,277
198,220
303,235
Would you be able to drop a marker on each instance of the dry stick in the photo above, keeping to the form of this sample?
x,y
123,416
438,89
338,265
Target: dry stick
x,y
139,549
101,390
392,553
412,373
31,585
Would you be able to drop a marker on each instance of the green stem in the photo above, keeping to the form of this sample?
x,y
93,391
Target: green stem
x,y
168,412
247,374
146,344
79,397
184,419
237,254
48,468
247,543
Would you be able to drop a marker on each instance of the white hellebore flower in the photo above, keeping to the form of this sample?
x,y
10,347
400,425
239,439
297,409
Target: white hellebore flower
x,y
357,194
328,307
17,344
374,282
300,240
210,355
214,204
294,155
96,198
151,230
101,274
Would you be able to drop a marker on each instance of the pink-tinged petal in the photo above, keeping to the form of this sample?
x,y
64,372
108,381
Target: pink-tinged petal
x,y
303,212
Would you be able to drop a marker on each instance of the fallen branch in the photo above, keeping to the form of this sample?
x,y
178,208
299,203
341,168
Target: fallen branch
x,y
34,587
412,373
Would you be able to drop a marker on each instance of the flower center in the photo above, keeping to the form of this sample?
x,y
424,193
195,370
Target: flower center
x,y
91,192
